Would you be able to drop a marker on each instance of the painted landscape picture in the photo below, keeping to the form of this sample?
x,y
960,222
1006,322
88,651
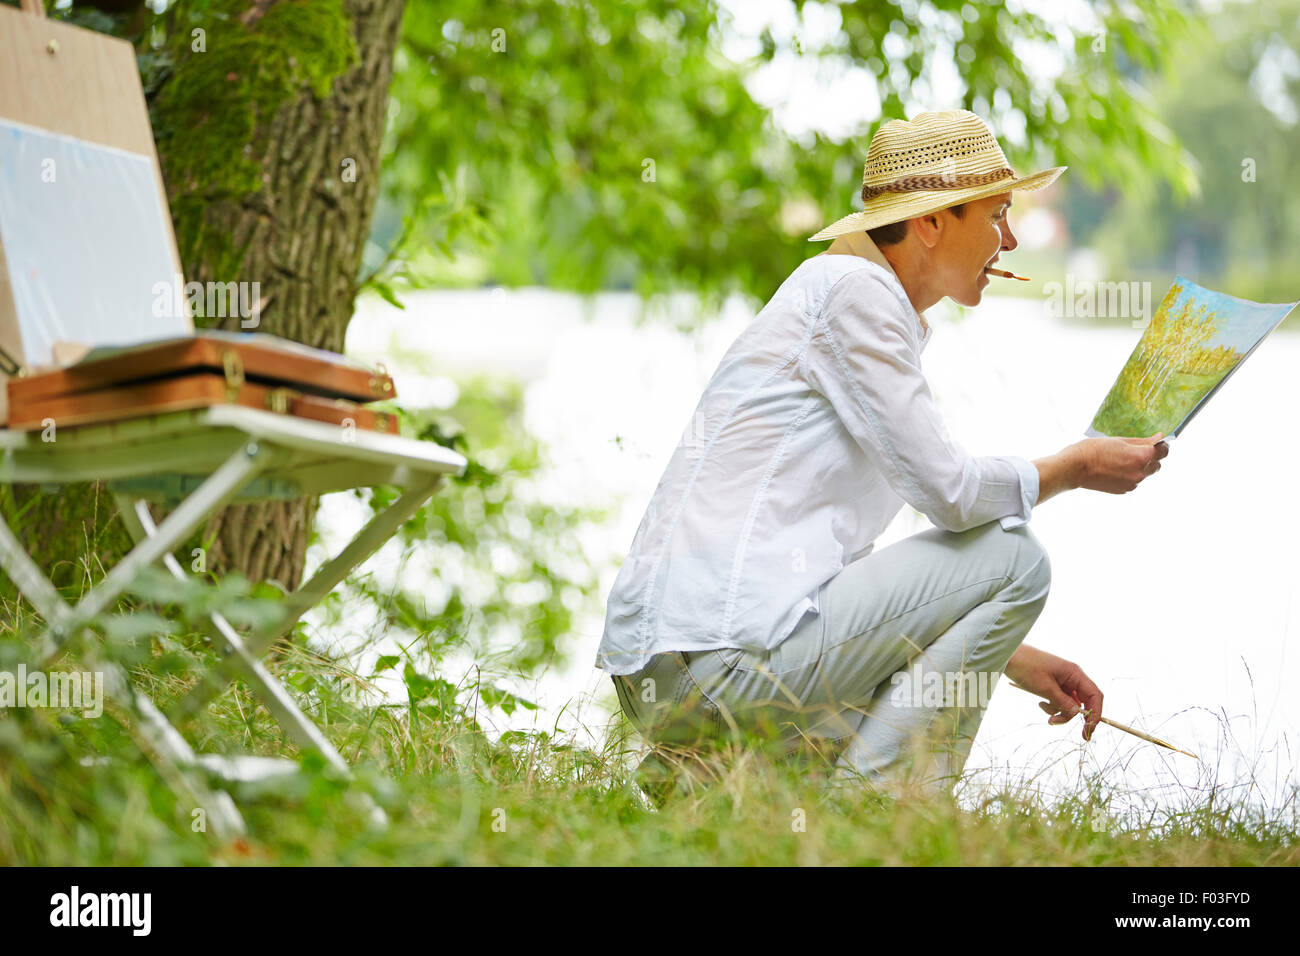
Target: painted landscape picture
x,y
1194,342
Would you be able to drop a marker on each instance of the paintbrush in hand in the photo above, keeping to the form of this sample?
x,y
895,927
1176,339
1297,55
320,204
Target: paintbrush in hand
x,y
1124,727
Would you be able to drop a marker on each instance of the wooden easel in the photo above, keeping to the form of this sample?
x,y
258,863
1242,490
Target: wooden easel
x,y
72,82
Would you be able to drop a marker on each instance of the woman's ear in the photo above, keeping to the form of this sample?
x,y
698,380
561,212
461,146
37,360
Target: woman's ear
x,y
928,229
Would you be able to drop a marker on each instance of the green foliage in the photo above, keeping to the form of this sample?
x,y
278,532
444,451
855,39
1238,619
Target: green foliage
x,y
1241,232
510,564
537,118
1090,115
73,791
243,603
55,525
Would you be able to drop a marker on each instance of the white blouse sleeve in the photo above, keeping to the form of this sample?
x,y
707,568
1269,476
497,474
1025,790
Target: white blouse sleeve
x,y
864,358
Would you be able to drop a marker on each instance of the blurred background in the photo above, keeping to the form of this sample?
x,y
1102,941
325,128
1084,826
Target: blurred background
x,y
558,215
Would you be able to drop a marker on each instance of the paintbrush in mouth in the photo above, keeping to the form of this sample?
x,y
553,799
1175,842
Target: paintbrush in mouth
x,y
1006,275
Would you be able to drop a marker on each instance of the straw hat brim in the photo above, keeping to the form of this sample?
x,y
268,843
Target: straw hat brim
x,y
896,207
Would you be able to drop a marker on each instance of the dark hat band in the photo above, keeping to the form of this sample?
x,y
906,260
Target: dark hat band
x,y
937,181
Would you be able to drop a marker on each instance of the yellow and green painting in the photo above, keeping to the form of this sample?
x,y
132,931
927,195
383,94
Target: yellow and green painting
x,y
1195,340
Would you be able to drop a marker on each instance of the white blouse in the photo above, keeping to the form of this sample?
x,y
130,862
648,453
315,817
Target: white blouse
x,y
815,429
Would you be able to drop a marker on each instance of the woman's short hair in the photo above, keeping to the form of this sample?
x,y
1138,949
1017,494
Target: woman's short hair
x,y
895,232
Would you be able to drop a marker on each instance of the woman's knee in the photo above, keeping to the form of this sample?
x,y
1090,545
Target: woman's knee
x,y
1031,568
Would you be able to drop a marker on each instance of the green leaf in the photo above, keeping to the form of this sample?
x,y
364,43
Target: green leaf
x,y
130,627
386,293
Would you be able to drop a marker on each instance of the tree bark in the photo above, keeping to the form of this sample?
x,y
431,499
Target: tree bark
x,y
304,235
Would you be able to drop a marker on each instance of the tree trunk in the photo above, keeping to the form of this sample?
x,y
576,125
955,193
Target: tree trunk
x,y
304,234
306,142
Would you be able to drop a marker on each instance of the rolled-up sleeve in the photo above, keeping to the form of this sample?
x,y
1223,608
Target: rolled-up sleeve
x,y
1028,472
863,356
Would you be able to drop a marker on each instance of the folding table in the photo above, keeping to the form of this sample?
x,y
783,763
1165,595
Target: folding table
x,y
197,462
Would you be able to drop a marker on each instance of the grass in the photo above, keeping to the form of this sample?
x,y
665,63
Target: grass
x,y
456,795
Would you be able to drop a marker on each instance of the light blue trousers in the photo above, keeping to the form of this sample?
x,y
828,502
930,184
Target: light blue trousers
x,y
897,668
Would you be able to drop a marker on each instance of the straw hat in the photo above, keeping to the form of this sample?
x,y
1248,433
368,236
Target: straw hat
x,y
931,162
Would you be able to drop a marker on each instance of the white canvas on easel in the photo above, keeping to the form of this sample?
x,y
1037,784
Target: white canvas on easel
x,y
85,233
85,242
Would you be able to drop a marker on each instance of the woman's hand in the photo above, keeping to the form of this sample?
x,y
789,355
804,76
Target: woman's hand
x,y
1067,688
1118,465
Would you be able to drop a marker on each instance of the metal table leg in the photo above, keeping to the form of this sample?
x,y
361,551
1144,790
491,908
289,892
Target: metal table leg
x,y
242,654
63,623
172,756
239,659
367,541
